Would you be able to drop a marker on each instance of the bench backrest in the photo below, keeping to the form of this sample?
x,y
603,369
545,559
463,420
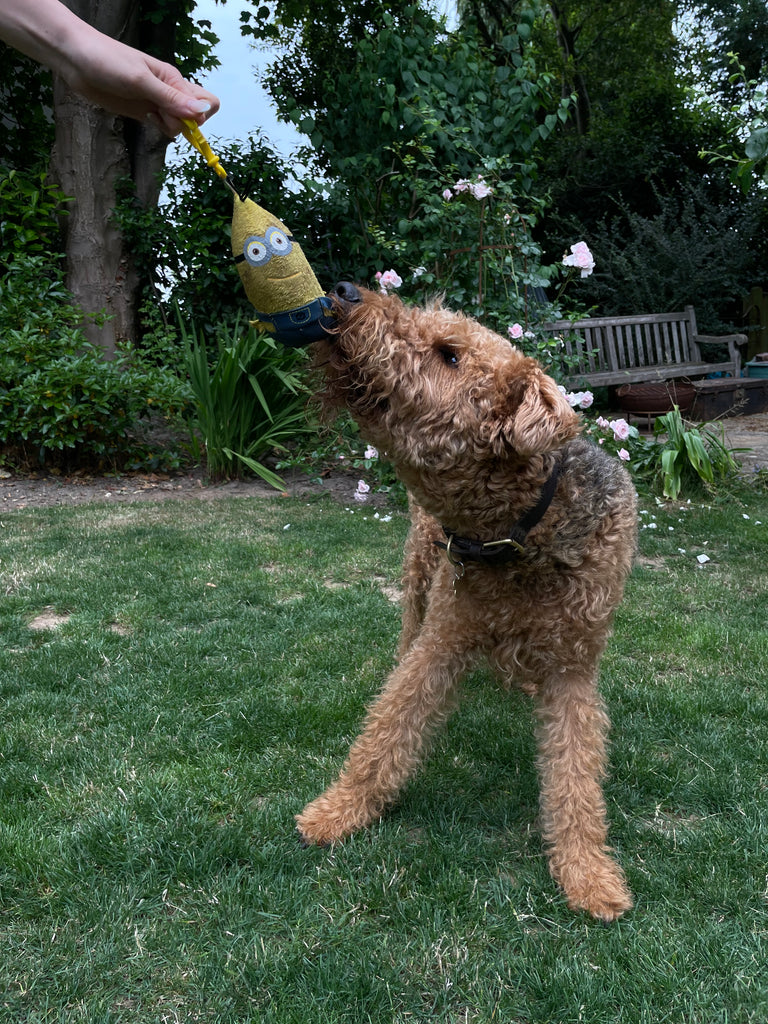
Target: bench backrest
x,y
615,344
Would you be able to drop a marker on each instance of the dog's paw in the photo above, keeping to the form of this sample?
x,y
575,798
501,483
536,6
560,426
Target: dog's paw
x,y
603,906
337,813
322,823
599,888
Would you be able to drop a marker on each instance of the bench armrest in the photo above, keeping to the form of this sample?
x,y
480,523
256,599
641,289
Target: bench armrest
x,y
720,339
733,341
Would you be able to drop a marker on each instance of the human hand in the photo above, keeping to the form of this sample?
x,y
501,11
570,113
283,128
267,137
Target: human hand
x,y
128,82
111,74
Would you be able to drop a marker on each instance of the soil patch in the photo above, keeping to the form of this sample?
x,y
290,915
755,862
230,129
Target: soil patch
x,y
46,490
748,432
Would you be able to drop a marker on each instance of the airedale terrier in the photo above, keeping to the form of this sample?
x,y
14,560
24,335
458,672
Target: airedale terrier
x,y
522,537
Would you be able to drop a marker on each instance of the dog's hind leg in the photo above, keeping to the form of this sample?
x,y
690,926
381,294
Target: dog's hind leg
x,y
572,729
416,699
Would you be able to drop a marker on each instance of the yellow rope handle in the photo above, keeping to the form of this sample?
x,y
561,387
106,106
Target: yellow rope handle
x,y
195,137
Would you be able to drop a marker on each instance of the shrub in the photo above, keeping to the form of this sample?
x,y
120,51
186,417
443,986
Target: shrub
x,y
60,401
247,401
678,458
690,456
692,251
29,211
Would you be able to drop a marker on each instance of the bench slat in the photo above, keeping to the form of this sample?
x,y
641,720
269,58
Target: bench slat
x,y
605,351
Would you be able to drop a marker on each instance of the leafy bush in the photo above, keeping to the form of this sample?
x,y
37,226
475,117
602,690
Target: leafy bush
x,y
247,402
678,458
692,251
60,401
29,211
338,448
402,123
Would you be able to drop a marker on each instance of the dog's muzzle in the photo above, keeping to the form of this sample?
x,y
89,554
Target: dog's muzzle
x,y
344,296
346,293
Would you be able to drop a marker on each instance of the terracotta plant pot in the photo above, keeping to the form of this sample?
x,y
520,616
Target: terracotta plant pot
x,y
656,399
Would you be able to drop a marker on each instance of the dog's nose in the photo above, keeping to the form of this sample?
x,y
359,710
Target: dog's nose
x,y
347,292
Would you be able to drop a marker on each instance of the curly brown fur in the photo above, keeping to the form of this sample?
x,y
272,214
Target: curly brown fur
x,y
474,428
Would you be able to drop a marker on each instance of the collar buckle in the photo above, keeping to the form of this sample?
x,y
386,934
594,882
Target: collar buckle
x,y
500,552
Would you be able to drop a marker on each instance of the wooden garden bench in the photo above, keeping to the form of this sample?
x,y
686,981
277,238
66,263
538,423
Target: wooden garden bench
x,y
613,350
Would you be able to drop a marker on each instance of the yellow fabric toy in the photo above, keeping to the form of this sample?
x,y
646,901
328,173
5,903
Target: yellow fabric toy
x,y
276,275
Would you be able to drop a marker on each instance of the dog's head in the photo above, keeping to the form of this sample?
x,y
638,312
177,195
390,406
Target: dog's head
x,y
431,387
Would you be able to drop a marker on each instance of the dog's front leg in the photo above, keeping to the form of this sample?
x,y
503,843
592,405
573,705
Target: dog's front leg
x,y
416,699
572,733
422,563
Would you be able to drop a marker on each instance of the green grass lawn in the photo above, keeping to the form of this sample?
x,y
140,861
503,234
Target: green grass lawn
x,y
211,666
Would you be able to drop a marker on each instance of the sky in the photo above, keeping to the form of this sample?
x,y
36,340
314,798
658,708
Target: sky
x,y
245,106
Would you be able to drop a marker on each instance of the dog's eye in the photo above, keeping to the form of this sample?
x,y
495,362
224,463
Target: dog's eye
x,y
448,355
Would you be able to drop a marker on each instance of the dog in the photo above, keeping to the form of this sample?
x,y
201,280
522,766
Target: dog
x,y
522,536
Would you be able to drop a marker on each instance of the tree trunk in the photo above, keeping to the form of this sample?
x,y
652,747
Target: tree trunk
x,y
92,151
573,79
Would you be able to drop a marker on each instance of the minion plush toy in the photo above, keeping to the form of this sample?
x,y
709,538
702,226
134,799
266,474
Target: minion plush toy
x,y
276,275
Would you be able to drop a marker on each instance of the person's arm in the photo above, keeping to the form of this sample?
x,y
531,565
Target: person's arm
x,y
104,71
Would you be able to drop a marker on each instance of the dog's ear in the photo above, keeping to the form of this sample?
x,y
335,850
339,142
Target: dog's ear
x,y
534,416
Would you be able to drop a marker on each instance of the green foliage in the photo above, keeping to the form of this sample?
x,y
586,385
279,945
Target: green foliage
x,y
339,448
719,29
629,126
26,96
247,403
690,456
744,120
548,349
168,30
60,401
29,211
479,253
633,155
692,251
303,29
408,112
680,459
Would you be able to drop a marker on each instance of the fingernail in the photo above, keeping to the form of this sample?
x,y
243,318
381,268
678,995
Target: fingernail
x,y
200,107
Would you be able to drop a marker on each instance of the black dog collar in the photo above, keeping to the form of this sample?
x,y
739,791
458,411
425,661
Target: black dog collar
x,y
499,552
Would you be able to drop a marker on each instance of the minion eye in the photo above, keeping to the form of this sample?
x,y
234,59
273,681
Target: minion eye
x,y
256,252
278,242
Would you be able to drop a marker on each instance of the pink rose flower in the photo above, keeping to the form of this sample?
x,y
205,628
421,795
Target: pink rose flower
x,y
582,399
580,257
620,429
447,195
389,279
623,454
361,494
515,331
479,189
